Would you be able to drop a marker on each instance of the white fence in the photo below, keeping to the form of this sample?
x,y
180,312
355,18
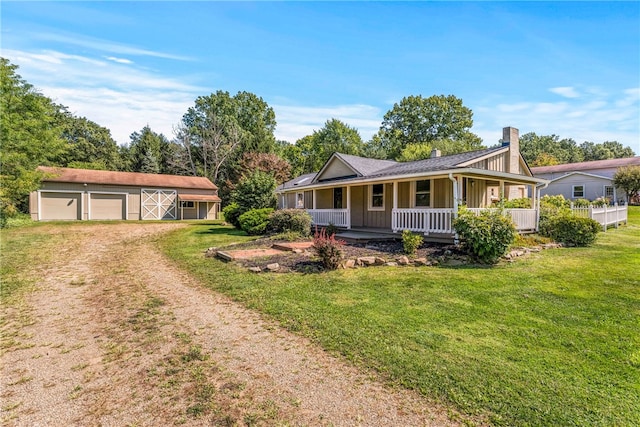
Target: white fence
x,y
605,215
422,220
524,219
337,217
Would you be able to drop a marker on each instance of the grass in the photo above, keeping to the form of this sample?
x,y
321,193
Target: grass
x,y
553,339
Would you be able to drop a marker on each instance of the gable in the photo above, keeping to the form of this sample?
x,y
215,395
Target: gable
x,y
334,169
580,177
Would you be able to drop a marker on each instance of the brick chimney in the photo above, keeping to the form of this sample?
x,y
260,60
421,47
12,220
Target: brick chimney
x,y
511,138
435,153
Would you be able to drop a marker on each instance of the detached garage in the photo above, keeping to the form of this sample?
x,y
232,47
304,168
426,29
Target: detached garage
x,y
82,194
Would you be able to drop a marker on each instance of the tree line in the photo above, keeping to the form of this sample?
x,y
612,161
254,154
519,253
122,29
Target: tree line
x,y
230,138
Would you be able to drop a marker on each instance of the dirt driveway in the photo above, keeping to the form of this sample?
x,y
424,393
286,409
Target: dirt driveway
x,y
116,335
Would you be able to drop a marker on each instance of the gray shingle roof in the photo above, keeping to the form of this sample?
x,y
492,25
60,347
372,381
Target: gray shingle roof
x,y
435,163
365,166
373,168
299,181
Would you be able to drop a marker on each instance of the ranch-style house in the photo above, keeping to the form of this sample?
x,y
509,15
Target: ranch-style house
x,y
423,196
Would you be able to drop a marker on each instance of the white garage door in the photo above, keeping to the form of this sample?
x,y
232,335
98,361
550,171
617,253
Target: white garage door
x,y
60,206
107,206
158,204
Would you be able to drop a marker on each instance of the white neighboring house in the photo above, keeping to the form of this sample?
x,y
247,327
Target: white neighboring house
x,y
585,180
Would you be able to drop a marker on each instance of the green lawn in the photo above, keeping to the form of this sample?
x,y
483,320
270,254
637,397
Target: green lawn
x,y
549,340
552,340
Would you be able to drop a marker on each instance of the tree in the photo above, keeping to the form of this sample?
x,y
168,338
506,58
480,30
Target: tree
x,y
269,163
606,150
255,191
151,152
219,128
628,178
538,150
89,145
312,151
30,136
412,152
418,120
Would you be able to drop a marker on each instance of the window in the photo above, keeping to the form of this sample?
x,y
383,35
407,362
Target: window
x,y
337,198
423,193
187,204
376,197
300,200
578,191
608,192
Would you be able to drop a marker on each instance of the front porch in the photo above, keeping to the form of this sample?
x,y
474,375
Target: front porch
x,y
425,221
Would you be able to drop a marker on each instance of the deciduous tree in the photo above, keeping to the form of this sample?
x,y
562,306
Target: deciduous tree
x,y
628,178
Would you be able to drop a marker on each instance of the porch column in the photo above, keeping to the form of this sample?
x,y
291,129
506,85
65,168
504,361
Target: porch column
x,y
314,198
395,194
501,190
348,207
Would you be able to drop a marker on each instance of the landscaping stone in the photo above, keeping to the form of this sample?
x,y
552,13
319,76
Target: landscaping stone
x,y
211,253
403,260
391,264
366,260
350,263
273,267
421,261
380,261
255,269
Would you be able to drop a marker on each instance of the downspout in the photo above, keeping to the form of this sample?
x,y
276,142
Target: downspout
x,y
539,188
456,239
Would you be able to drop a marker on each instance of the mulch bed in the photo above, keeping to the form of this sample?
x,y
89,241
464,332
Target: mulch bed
x,y
307,262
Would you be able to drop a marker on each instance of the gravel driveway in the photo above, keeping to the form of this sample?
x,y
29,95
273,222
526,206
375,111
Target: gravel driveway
x,y
114,334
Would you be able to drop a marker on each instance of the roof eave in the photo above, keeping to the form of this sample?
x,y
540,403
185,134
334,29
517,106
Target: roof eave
x,y
520,179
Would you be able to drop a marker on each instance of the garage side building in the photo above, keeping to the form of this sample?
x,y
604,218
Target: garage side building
x,y
82,194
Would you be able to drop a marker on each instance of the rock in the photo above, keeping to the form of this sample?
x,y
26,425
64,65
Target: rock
x,y
350,263
403,260
421,261
255,269
297,251
273,267
391,264
455,262
447,252
380,261
211,253
367,260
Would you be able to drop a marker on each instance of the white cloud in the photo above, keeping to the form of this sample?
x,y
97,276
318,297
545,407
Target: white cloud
x,y
116,95
566,91
595,117
119,60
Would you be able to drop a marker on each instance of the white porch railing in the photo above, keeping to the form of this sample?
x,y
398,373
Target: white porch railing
x,y
422,220
337,217
524,219
605,215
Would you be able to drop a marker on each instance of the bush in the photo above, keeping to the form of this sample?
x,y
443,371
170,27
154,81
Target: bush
x,y
290,221
255,191
254,222
411,242
231,214
570,229
328,249
523,203
485,236
581,203
552,206
332,229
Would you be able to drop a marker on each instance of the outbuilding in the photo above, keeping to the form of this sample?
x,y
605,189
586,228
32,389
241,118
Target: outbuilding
x,y
82,194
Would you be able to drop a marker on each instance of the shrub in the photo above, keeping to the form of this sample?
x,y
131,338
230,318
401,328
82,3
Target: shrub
x,y
551,206
254,222
231,214
485,236
290,221
570,230
332,229
255,191
523,203
411,242
328,248
581,203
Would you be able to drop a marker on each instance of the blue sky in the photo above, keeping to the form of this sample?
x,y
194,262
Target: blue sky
x,y
565,68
